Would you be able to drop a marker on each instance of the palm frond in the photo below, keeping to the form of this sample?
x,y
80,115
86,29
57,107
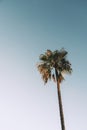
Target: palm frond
x,y
45,71
48,53
60,78
43,57
63,52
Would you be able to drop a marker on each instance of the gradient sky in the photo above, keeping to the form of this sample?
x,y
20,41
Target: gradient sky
x,y
27,29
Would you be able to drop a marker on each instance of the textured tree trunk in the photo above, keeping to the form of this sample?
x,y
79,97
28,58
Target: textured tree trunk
x,y
60,102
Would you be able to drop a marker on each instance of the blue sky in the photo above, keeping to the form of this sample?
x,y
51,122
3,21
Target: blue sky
x,y
27,29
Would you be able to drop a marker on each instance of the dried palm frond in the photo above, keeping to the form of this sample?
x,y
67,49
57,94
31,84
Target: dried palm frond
x,y
60,78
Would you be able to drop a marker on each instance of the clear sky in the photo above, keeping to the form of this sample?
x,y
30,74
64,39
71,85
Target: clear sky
x,y
27,29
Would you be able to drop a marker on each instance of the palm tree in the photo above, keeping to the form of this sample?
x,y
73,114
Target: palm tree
x,y
52,66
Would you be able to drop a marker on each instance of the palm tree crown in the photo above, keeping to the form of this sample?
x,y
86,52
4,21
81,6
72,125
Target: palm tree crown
x,y
54,60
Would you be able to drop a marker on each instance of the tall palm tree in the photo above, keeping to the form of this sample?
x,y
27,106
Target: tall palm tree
x,y
56,61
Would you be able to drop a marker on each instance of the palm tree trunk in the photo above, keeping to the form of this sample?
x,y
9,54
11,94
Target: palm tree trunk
x,y
60,102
